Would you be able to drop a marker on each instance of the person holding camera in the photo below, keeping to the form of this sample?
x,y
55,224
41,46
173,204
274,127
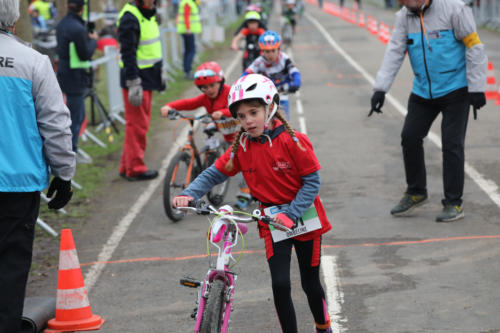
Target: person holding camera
x,y
35,139
141,72
75,46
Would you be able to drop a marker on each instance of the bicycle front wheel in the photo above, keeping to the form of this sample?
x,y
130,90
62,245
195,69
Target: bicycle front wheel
x,y
212,315
218,192
177,178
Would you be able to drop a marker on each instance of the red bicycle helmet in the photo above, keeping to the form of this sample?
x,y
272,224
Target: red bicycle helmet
x,y
208,72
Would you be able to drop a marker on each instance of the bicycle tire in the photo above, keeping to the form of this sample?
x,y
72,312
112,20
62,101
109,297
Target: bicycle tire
x,y
179,164
218,193
212,315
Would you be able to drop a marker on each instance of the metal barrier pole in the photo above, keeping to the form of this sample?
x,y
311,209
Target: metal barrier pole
x,y
115,99
46,227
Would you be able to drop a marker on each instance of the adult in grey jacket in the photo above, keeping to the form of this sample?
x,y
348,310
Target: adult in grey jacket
x,y
449,63
35,139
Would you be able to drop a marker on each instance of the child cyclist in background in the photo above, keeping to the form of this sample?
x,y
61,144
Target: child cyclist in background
x,y
209,78
276,65
281,170
251,33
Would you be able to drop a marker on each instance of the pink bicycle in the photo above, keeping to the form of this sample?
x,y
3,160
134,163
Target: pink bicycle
x,y
215,297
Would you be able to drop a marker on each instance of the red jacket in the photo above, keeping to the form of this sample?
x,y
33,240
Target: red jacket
x,y
228,127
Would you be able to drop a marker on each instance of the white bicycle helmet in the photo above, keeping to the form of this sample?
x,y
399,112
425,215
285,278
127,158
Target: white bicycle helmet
x,y
254,86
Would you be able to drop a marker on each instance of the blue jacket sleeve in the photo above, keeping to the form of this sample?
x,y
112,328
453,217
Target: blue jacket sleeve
x,y
305,196
204,182
296,80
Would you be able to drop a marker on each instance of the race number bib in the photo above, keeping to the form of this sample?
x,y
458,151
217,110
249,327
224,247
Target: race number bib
x,y
228,125
307,223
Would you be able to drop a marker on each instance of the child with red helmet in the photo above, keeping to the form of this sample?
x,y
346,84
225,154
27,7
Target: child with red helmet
x,y
282,172
209,78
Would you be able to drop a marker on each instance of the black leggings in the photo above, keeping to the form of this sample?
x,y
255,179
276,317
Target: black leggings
x,y
279,265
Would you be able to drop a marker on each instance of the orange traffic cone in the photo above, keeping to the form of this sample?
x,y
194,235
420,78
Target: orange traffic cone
x,y
498,95
491,83
73,311
384,33
361,21
374,29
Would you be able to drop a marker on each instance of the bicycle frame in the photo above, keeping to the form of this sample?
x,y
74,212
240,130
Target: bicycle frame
x,y
221,271
190,146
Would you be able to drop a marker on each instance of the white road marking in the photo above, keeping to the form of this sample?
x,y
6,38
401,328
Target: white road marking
x,y
302,122
334,294
487,185
122,227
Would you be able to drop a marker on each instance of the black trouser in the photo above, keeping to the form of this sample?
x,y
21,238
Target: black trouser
x,y
18,214
279,265
421,114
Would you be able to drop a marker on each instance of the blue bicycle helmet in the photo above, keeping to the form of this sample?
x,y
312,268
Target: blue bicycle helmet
x,y
269,40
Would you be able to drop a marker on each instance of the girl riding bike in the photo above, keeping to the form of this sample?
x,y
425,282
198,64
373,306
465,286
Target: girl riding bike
x,y
281,170
276,65
209,78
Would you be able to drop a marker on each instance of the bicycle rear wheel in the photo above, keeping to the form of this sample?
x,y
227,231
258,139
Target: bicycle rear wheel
x,y
212,315
218,192
177,178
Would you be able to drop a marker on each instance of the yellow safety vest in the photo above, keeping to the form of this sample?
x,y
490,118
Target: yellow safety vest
x,y
74,60
149,49
194,18
43,9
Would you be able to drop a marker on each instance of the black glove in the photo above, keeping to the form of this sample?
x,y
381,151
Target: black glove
x,y
477,100
292,89
377,102
63,193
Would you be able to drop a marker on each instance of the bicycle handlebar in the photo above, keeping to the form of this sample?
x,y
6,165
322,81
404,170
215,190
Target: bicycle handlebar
x,y
205,118
202,208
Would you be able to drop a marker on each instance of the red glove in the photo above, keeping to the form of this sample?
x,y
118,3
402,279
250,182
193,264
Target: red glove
x,y
282,219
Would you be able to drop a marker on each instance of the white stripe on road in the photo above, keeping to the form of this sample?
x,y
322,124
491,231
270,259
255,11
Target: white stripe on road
x,y
302,122
334,294
300,108
487,185
122,227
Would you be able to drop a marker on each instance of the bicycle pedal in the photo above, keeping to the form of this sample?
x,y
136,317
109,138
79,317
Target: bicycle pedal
x,y
189,282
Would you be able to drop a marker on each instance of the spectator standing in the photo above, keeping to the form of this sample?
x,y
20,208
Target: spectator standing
x,y
188,24
34,136
449,63
141,73
44,8
75,47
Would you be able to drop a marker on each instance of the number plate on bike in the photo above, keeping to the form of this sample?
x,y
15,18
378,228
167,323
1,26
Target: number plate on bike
x,y
307,223
212,142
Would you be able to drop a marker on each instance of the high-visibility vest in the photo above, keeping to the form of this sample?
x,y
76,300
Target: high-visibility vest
x,y
74,59
149,49
194,18
43,9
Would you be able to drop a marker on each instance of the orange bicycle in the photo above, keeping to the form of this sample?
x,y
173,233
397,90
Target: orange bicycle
x,y
189,162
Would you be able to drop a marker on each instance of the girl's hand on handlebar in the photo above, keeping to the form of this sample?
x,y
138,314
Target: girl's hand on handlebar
x,y
181,201
164,110
234,47
216,115
284,220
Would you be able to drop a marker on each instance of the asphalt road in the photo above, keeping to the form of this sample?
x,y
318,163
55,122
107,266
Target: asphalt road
x,y
381,274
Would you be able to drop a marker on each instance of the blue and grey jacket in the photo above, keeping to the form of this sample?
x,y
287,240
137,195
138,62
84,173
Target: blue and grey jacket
x,y
444,49
34,122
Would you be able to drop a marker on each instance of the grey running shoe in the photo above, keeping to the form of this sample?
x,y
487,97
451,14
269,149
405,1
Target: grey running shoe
x,y
450,213
407,203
